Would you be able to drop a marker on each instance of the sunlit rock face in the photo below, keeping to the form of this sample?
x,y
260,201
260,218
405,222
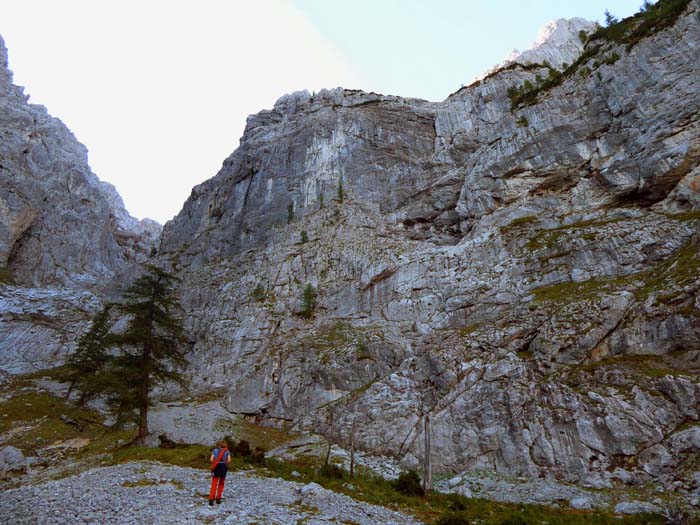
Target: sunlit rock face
x,y
524,270
559,43
62,231
527,275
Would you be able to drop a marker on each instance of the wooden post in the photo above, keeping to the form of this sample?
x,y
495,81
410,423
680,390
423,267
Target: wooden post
x,y
352,449
427,474
330,433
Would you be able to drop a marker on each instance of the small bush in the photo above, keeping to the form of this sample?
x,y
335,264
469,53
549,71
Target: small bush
x,y
522,122
258,456
453,519
304,237
241,449
513,520
409,484
331,471
166,442
611,59
6,276
259,293
290,213
456,502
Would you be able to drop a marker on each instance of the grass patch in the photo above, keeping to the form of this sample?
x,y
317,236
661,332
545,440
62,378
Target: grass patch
x,y
31,421
693,215
6,276
194,456
517,223
262,437
680,269
652,366
572,291
549,237
437,507
528,93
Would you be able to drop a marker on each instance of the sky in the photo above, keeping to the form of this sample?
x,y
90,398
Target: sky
x,y
159,90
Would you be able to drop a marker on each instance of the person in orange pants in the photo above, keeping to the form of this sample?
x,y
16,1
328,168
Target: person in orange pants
x,y
220,460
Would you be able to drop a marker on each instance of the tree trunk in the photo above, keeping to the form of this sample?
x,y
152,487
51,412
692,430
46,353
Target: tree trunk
x,y
427,474
143,397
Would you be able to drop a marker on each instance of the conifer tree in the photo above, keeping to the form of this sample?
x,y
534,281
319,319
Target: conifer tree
x,y
151,343
90,357
123,367
308,301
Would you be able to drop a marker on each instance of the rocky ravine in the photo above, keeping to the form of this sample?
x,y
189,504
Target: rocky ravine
x,y
526,276
64,234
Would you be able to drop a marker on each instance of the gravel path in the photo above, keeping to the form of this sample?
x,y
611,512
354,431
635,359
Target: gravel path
x,y
152,493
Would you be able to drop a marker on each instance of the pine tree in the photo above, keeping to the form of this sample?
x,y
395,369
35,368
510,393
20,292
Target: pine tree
x,y
150,349
308,301
610,19
151,343
90,357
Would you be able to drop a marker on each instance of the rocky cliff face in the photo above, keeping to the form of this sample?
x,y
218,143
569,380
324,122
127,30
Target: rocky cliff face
x,y
63,233
520,265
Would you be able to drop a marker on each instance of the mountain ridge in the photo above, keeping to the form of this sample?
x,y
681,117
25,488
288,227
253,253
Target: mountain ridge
x,y
521,269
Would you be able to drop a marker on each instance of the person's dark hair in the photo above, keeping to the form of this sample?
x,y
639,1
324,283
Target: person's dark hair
x,y
223,444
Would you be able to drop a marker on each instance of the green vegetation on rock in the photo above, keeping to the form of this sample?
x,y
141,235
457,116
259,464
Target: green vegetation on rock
x,y
651,19
6,276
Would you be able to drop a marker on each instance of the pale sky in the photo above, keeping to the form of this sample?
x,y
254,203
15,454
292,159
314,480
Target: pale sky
x,y
159,91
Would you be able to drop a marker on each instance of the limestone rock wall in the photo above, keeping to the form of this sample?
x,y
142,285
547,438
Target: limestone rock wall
x,y
64,234
527,276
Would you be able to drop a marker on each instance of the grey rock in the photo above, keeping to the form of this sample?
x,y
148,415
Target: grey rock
x,y
581,504
11,458
634,507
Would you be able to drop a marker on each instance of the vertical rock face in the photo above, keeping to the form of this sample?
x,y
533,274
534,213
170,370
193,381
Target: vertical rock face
x,y
59,224
63,233
521,265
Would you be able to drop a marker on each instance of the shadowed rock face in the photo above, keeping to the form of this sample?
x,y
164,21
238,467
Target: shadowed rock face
x,y
64,235
528,276
59,224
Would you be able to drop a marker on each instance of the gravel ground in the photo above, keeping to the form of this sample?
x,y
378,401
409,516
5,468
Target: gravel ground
x,y
152,493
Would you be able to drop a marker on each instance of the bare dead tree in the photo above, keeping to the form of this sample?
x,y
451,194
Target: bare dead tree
x,y
427,472
352,448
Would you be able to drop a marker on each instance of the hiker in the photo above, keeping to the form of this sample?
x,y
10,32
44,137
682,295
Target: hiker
x,y
220,459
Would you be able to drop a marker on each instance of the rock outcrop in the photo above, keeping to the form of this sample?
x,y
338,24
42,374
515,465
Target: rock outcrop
x,y
515,267
64,234
519,264
60,225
